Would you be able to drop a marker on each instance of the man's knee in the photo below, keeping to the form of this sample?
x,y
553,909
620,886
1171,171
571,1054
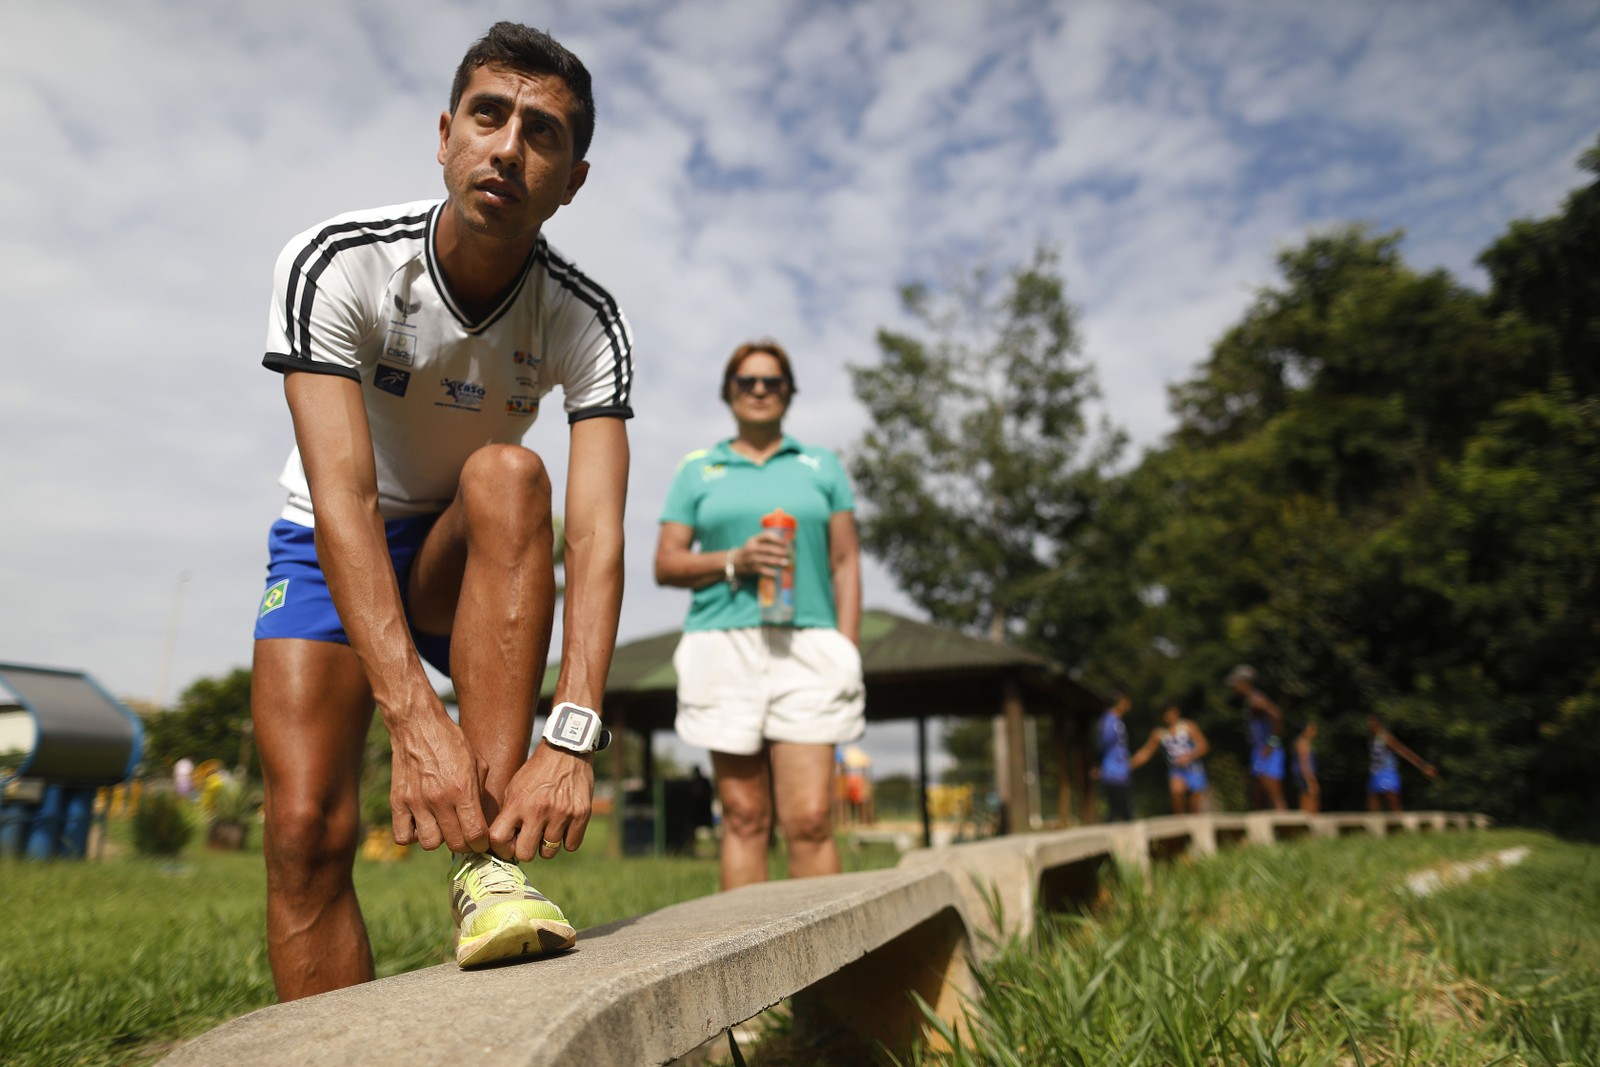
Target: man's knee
x,y
308,843
496,477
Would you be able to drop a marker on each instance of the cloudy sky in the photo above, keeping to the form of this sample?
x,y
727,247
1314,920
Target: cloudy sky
x,y
758,168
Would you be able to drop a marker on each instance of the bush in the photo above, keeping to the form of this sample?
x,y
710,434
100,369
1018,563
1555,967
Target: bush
x,y
233,806
161,826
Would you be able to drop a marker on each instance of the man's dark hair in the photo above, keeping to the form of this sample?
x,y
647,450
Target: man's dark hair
x,y
530,51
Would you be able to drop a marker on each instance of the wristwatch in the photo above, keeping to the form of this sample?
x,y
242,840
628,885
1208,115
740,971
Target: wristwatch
x,y
574,728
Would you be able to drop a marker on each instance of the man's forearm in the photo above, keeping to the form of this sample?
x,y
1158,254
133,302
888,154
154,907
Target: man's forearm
x,y
589,616
355,560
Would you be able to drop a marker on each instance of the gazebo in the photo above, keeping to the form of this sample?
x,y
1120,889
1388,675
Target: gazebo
x,y
913,670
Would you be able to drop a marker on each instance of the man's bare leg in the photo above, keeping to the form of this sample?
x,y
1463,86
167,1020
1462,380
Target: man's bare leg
x,y
744,786
311,707
803,777
485,575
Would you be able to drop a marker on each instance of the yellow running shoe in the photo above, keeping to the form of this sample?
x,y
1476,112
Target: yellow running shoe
x,y
499,916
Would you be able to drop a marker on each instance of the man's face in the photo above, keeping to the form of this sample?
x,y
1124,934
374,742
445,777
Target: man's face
x,y
507,152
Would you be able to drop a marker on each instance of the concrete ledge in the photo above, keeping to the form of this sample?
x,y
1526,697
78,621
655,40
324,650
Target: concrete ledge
x,y
645,990
850,950
1229,830
1024,873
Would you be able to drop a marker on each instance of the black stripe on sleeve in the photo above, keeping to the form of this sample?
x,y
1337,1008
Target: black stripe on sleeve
x,y
283,363
591,293
622,411
301,292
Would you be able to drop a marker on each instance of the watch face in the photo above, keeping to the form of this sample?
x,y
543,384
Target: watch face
x,y
572,727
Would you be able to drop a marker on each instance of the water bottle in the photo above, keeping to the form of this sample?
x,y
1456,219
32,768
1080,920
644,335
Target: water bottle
x,y
775,592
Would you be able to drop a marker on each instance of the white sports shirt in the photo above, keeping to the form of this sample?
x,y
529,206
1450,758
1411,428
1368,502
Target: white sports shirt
x,y
362,296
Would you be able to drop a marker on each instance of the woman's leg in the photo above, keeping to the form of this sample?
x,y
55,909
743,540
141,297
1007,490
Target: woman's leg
x,y
803,776
744,785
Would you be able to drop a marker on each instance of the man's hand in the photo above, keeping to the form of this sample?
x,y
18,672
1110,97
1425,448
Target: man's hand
x,y
548,801
435,787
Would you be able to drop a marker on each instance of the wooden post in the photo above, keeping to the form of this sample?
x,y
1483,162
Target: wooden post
x,y
922,780
1063,735
617,722
1016,783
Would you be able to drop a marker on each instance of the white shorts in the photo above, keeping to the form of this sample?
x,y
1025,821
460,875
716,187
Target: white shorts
x,y
738,689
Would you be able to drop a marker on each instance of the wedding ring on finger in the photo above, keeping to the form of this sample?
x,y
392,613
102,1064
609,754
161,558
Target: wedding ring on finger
x,y
552,846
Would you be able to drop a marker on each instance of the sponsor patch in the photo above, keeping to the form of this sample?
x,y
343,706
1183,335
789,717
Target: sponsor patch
x,y
392,380
463,395
522,405
712,471
275,596
526,359
400,348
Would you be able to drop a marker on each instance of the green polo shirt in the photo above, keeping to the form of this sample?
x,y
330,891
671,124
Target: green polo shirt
x,y
722,496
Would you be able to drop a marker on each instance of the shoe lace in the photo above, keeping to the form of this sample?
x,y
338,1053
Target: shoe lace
x,y
501,876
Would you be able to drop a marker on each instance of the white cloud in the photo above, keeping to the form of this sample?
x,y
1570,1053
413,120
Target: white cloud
x,y
757,169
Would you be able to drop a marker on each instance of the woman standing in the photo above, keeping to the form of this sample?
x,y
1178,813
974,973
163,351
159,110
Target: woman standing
x,y
770,699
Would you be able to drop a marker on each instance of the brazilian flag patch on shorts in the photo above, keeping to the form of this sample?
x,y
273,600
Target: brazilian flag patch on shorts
x,y
274,597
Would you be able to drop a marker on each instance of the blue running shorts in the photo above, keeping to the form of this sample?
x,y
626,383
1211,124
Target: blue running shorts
x,y
1267,762
296,601
1193,777
1384,782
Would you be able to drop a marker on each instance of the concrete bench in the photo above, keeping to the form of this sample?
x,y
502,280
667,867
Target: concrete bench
x,y
1054,871
646,990
850,950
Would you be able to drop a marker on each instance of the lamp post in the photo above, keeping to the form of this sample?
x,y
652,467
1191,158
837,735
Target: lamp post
x,y
172,639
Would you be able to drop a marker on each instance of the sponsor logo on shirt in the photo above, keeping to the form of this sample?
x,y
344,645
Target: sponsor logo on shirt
x,y
400,348
811,461
526,359
405,310
276,595
712,471
392,380
466,396
522,405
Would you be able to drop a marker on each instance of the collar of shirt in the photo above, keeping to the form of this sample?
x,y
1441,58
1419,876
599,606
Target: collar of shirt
x,y
722,452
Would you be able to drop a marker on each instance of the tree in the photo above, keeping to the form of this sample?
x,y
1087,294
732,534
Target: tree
x,y
212,720
1383,491
981,467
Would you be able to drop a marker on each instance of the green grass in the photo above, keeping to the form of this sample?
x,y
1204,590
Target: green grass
x,y
105,962
1311,954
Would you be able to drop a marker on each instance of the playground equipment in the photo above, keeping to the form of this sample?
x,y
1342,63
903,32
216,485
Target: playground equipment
x,y
62,737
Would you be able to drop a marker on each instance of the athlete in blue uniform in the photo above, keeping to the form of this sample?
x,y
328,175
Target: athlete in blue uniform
x,y
1305,769
416,345
1112,739
1265,727
1383,780
1185,745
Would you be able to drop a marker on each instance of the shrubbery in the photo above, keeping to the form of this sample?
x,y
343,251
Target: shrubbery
x,y
161,826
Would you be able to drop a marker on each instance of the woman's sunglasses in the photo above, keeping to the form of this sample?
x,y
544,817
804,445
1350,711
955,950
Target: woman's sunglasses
x,y
746,383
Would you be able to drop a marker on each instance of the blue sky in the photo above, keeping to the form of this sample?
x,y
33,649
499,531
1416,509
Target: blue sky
x,y
758,168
